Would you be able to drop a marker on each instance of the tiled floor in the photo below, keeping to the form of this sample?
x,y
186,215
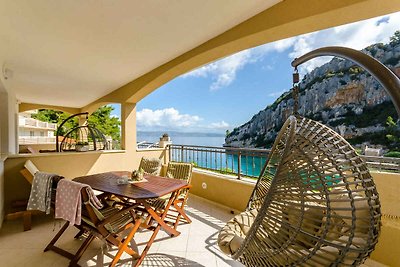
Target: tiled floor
x,y
196,246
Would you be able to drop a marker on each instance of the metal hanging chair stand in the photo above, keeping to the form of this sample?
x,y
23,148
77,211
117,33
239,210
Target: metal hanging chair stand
x,y
81,138
315,202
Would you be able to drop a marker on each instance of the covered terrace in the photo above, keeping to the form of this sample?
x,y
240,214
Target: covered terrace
x,y
76,57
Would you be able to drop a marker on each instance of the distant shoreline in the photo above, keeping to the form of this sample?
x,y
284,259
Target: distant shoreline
x,y
174,133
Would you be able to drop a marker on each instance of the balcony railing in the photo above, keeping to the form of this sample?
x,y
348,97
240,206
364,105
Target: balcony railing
x,y
147,145
29,122
235,161
382,163
247,162
36,140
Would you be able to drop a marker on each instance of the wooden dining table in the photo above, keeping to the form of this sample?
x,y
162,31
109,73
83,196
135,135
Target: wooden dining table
x,y
139,192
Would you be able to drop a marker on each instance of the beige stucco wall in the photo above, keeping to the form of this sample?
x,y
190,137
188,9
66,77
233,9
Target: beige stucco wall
x,y
69,165
387,250
388,186
36,147
1,191
235,194
222,189
4,139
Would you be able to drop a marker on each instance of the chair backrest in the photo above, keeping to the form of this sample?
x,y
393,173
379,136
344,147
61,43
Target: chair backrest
x,y
90,214
29,171
315,200
150,165
77,201
179,170
95,217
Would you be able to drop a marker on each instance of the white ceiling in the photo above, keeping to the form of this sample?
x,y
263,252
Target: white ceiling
x,y
70,53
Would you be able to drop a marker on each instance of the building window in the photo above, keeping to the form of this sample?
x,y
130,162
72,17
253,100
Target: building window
x,y
31,133
41,133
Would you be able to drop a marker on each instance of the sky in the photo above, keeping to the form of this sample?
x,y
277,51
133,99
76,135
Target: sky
x,y
227,93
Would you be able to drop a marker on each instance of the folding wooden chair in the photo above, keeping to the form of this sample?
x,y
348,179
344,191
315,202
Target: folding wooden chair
x,y
181,171
107,224
150,165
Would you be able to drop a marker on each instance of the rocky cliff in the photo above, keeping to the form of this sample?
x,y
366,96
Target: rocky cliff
x,y
339,94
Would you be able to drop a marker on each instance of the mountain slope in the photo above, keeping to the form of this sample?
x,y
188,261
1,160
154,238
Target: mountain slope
x,y
339,94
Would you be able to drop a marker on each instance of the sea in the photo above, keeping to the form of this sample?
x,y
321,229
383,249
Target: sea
x,y
224,162
181,138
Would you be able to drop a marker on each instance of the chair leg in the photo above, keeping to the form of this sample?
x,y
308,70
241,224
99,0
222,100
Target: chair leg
x,y
181,213
81,250
81,232
56,237
124,245
74,258
27,219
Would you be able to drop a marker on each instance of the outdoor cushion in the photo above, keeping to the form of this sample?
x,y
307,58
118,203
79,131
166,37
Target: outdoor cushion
x,y
362,210
233,233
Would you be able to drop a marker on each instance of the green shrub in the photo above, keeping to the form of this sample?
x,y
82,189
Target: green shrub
x,y
393,154
370,116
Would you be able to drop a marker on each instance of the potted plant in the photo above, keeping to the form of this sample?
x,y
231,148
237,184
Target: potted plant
x,y
137,175
81,146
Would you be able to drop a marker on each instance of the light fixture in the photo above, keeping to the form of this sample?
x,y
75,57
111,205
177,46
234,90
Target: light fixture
x,y
7,73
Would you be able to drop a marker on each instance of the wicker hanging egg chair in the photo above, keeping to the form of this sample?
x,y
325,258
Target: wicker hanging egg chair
x,y
315,202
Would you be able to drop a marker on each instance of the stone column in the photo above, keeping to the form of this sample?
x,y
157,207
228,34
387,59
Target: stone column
x,y
128,126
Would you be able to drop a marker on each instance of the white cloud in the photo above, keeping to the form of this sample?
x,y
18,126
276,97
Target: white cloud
x,y
356,35
168,118
223,72
278,46
219,125
275,94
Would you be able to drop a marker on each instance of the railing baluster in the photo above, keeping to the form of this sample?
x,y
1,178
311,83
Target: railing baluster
x,y
215,160
220,160
206,161
239,163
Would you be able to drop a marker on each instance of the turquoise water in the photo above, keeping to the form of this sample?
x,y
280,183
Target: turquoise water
x,y
250,165
226,163
182,139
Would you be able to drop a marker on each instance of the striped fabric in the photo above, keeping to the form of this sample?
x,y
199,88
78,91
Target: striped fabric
x,y
150,166
175,170
115,225
179,170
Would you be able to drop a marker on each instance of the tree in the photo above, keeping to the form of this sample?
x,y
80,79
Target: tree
x,y
395,39
58,117
392,132
101,119
105,122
